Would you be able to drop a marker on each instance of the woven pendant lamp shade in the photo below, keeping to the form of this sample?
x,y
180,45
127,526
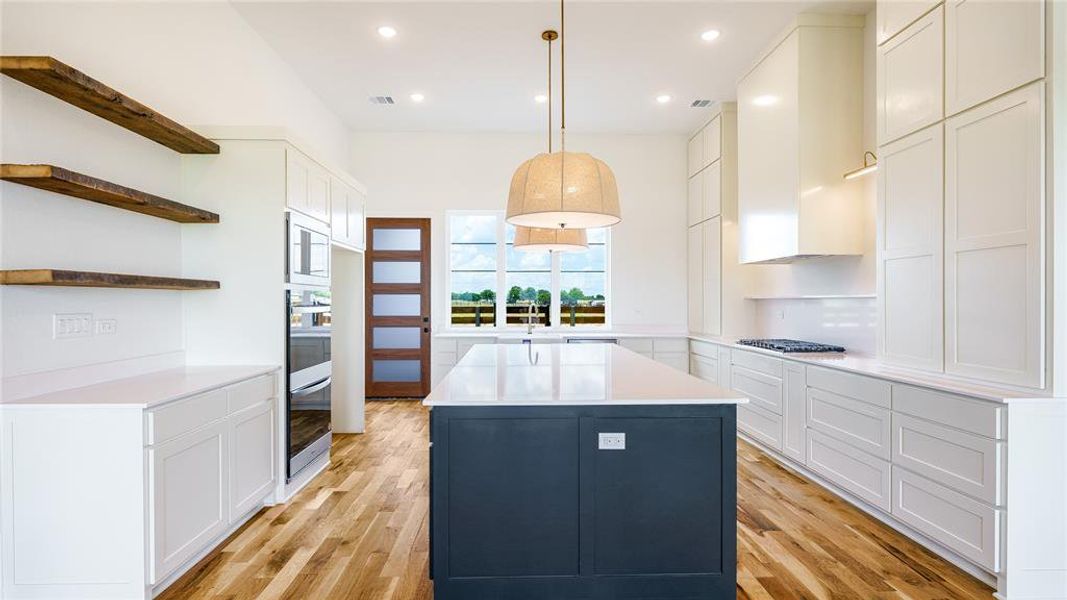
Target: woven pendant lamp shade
x,y
563,190
533,239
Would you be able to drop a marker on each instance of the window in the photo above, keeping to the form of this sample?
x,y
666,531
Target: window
x,y
527,281
473,259
492,285
583,283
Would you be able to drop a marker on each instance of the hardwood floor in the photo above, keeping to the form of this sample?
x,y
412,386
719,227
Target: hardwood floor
x,y
359,531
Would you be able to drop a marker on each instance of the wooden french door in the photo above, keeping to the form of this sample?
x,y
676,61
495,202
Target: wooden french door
x,y
398,308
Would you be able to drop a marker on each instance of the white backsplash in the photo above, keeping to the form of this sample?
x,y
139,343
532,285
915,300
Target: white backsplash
x,y
848,322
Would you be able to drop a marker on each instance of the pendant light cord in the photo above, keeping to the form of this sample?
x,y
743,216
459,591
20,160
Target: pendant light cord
x,y
562,77
550,95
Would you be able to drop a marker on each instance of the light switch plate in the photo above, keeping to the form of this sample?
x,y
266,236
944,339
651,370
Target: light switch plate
x,y
106,326
71,325
612,441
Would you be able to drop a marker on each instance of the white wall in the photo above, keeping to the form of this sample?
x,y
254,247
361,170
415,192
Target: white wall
x,y
425,174
198,63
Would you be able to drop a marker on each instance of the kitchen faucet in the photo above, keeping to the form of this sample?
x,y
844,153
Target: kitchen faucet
x,y
530,316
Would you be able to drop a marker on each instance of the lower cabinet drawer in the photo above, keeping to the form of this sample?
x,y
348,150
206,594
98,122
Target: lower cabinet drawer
x,y
861,425
962,524
704,368
703,348
182,416
858,473
639,345
867,389
764,391
679,344
764,426
250,393
964,462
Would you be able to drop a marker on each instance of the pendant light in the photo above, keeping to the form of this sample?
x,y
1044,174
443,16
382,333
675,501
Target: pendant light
x,y
563,190
540,239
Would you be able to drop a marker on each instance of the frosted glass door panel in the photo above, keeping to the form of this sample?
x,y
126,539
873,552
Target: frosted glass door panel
x,y
397,272
397,305
397,371
396,338
397,239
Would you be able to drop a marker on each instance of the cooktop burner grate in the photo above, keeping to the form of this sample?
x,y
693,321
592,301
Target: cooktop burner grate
x,y
782,345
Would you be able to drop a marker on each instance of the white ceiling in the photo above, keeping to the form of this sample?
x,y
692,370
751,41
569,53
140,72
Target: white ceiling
x,y
479,64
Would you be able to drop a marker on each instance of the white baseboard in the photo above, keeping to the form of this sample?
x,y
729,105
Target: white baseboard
x,y
967,566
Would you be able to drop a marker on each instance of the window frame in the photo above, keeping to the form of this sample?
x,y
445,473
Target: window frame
x,y
500,317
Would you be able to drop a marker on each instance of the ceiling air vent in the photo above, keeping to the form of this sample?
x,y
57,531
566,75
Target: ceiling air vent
x,y
700,103
382,100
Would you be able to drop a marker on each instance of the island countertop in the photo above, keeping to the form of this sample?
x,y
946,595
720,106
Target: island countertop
x,y
569,375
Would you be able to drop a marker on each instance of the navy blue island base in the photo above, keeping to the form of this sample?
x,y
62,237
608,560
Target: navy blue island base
x,y
524,505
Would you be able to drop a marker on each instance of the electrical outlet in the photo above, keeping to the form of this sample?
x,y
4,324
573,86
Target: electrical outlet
x,y
612,441
71,325
106,326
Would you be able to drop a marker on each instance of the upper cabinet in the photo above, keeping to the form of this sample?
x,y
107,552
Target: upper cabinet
x,y
909,78
892,17
800,128
704,147
307,186
991,48
347,214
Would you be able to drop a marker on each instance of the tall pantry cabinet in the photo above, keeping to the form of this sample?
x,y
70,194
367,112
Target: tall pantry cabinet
x,y
716,303
961,133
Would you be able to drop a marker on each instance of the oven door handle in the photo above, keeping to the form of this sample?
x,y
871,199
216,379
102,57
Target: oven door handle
x,y
310,388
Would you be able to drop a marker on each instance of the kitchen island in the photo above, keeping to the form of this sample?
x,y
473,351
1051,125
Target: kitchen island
x,y
580,471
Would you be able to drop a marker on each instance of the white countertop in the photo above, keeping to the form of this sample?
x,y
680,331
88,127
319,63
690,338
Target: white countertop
x,y
871,366
569,375
148,390
520,334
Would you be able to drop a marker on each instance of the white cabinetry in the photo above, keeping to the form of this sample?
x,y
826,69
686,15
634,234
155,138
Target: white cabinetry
x,y
910,250
893,15
347,214
117,488
714,298
800,125
189,496
307,186
994,240
991,48
910,78
795,413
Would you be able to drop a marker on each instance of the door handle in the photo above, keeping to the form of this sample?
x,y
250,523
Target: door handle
x,y
426,319
426,330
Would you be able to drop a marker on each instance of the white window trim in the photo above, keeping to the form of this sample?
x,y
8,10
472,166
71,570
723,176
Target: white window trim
x,y
500,316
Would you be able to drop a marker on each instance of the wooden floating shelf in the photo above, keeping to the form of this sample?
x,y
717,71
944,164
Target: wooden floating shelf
x,y
62,181
71,85
55,277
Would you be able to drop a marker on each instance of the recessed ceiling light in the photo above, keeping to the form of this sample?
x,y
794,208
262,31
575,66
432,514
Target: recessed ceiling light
x,y
663,98
417,97
709,35
386,31
540,98
765,100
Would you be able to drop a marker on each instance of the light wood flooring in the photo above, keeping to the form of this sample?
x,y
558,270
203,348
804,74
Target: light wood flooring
x,y
359,531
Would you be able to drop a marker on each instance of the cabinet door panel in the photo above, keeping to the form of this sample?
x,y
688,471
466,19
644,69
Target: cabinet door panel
x,y
712,141
712,196
909,81
712,276
357,219
704,368
894,15
762,390
251,458
696,279
696,153
189,497
795,413
695,199
764,426
638,527
962,461
318,193
296,181
864,475
339,210
960,523
991,48
994,240
911,257
856,423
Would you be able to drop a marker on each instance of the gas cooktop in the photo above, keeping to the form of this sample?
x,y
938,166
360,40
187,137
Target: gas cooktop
x,y
781,345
